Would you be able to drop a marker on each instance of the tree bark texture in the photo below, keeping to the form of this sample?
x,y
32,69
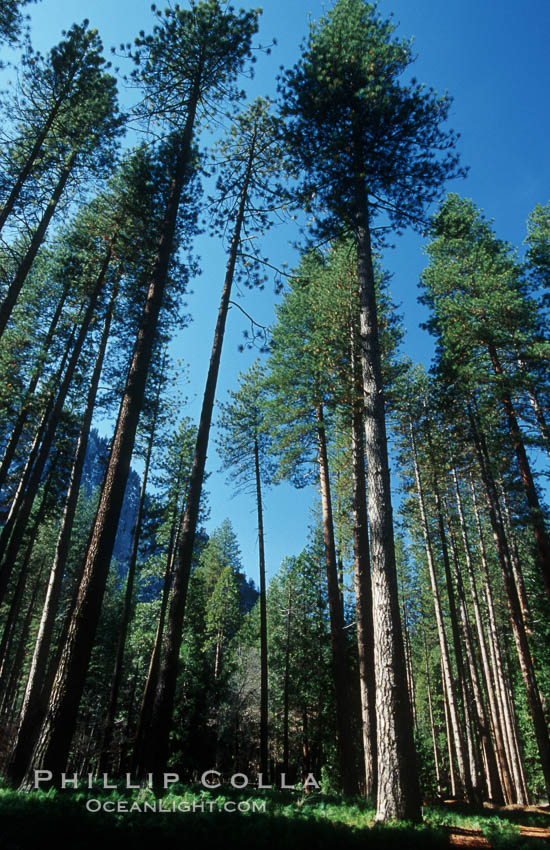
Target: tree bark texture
x,y
398,793
157,738
35,698
55,737
488,679
363,605
340,666
520,636
454,717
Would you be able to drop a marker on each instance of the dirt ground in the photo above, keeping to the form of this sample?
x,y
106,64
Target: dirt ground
x,y
462,837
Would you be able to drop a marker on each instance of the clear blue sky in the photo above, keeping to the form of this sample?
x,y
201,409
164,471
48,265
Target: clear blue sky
x,y
491,55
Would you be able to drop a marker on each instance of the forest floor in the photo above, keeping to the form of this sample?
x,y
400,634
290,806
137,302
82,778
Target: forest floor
x,y
521,827
191,817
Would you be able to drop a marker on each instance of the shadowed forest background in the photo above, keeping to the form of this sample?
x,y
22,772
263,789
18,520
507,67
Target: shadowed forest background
x,y
402,657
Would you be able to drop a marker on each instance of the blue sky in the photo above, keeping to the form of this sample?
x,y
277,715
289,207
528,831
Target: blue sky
x,y
490,55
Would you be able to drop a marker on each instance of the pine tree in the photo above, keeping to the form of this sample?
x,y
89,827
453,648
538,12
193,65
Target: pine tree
x,y
174,480
301,705
472,270
538,247
82,117
300,419
128,603
244,447
55,737
368,143
52,94
11,19
248,190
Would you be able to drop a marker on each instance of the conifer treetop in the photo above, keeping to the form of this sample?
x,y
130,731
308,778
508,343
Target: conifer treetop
x,y
195,52
352,116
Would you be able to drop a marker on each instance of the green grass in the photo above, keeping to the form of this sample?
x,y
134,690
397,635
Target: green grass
x,y
501,828
313,821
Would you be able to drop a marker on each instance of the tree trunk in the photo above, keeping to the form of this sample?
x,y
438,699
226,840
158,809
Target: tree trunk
x,y
398,789
24,267
35,699
507,718
22,484
157,738
478,791
449,736
15,606
109,722
36,148
490,686
57,731
264,749
541,419
473,790
146,707
536,514
432,723
520,636
286,689
340,665
23,415
494,788
508,696
454,717
27,498
11,691
148,698
408,660
534,401
516,564
363,603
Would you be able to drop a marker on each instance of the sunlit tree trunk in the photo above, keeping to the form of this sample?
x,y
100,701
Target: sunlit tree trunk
x,y
489,681
494,789
398,794
432,722
536,515
454,717
449,737
520,636
507,716
363,598
55,737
